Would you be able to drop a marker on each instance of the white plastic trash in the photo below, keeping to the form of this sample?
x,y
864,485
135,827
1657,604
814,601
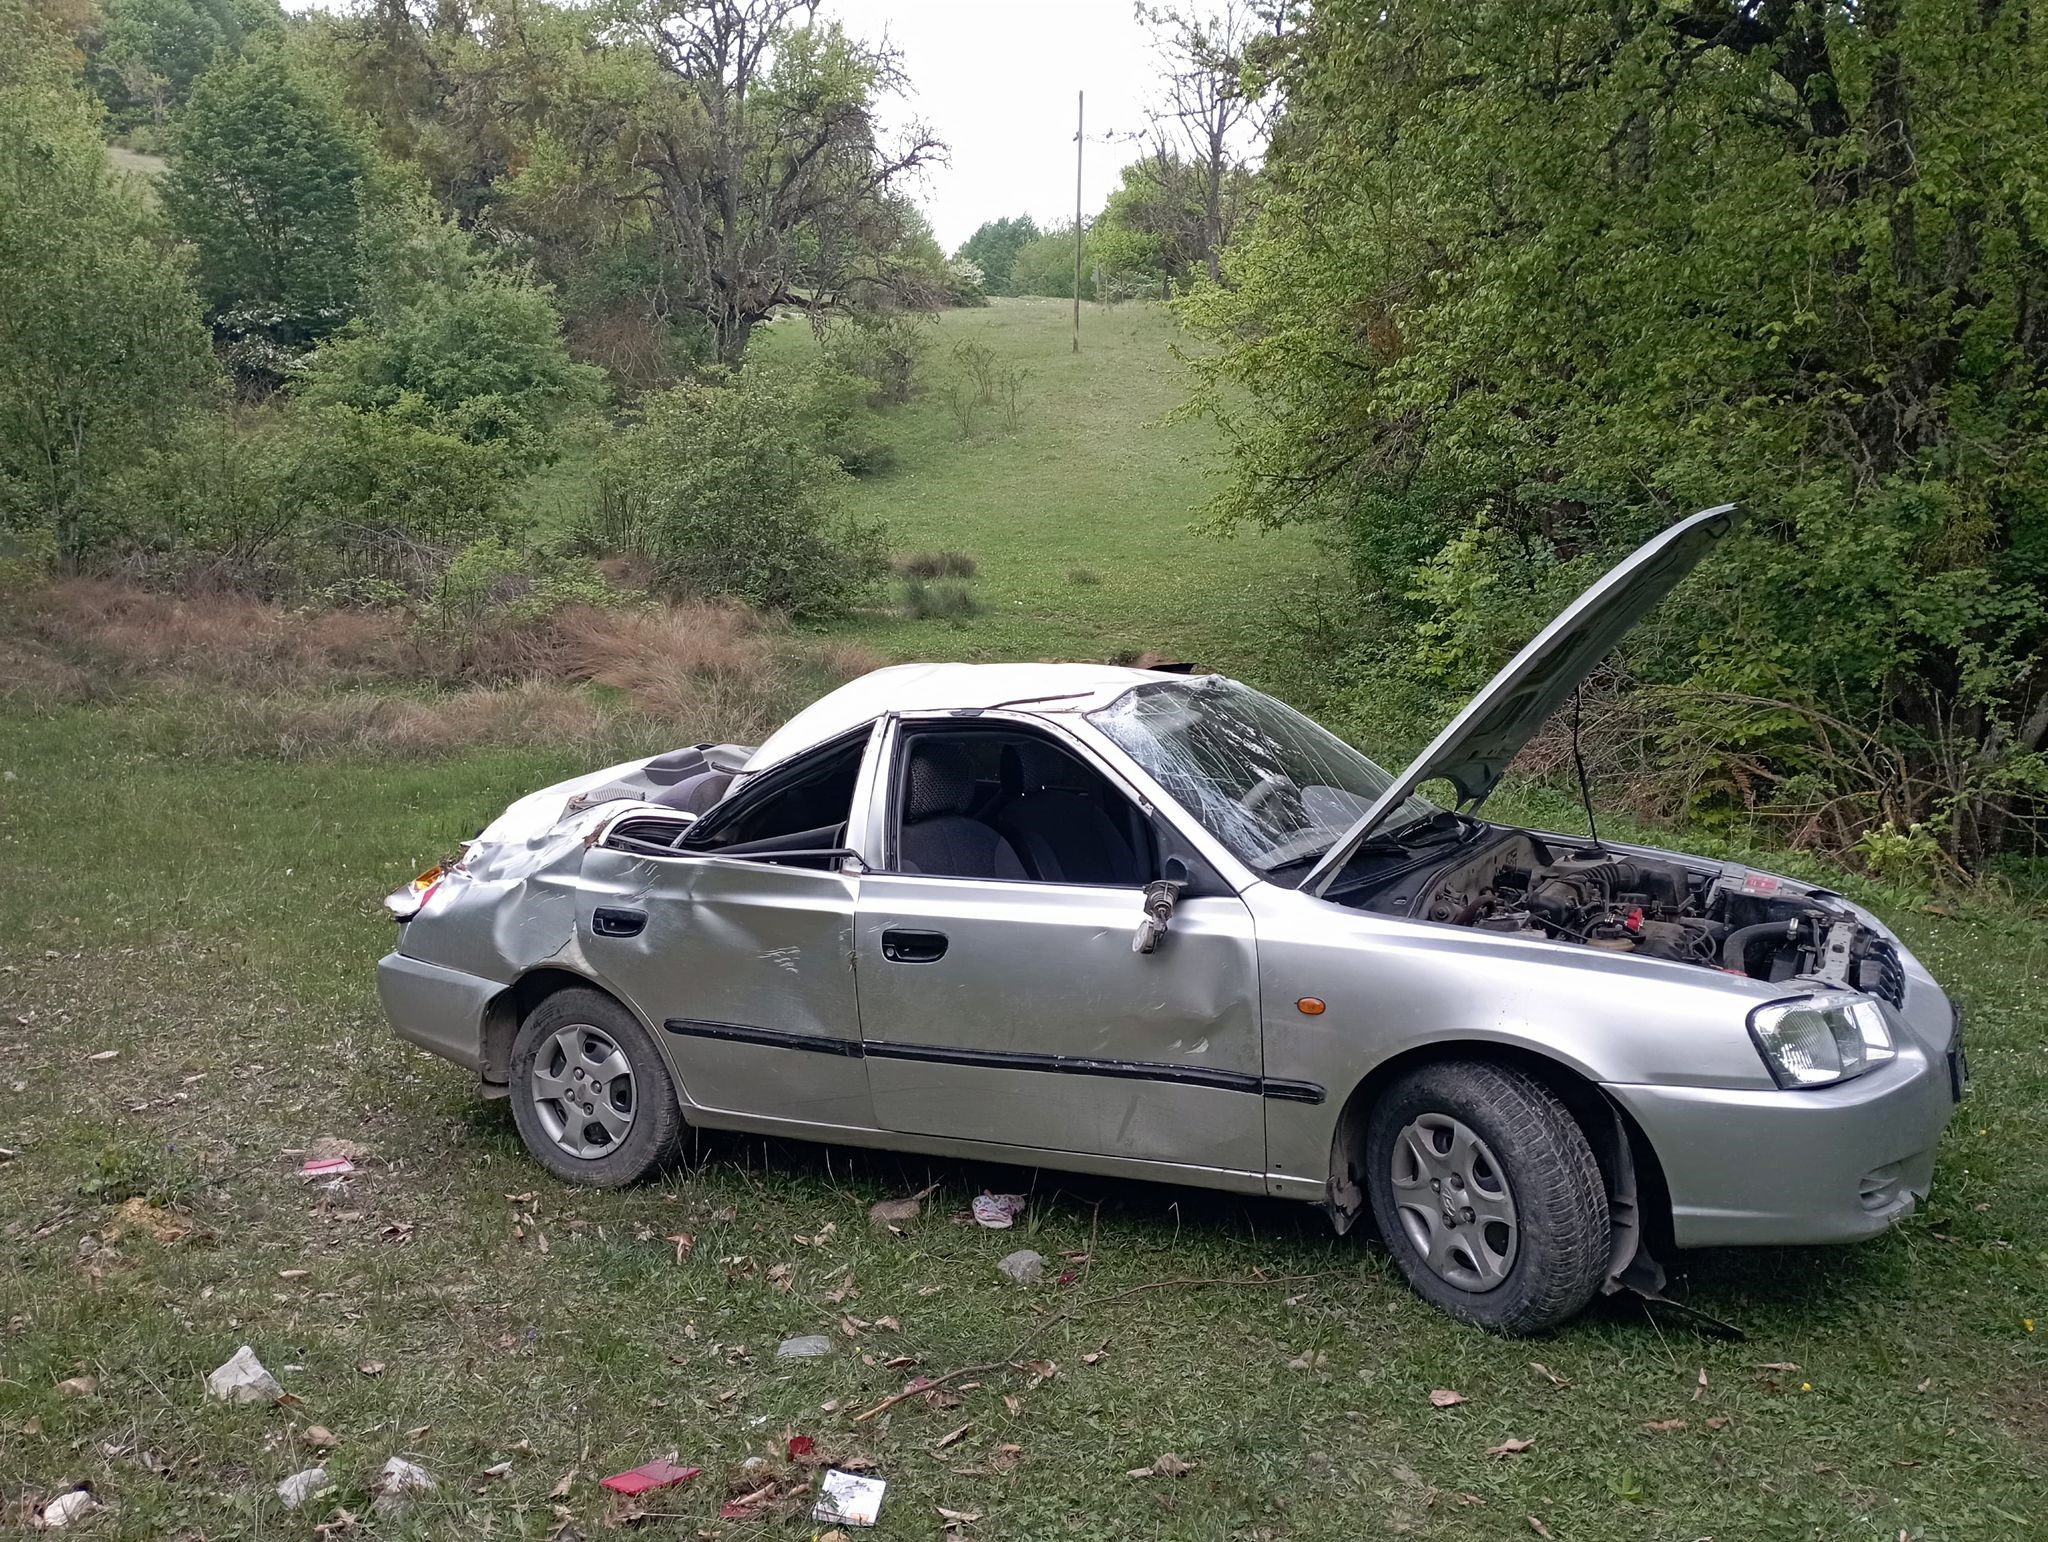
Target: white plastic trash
x,y
847,1499
302,1486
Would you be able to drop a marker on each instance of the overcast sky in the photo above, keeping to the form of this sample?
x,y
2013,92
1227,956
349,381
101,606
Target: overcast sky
x,y
997,82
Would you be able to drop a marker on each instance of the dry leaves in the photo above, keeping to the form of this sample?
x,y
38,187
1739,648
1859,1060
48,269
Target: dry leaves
x,y
1664,1426
685,1244
1510,1448
1548,1374
1165,1465
1443,1397
372,1367
561,1489
319,1437
1538,1527
78,1386
951,1436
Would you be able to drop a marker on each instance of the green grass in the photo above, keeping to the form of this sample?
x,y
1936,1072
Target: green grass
x,y
215,923
214,919
1093,480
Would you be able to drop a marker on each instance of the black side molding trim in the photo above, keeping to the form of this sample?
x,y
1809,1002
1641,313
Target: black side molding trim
x,y
769,1038
1003,1060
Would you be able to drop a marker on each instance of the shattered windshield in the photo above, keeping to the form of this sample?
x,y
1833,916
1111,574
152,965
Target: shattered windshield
x,y
1273,786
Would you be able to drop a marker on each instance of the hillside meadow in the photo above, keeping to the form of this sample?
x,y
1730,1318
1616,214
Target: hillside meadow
x,y
204,801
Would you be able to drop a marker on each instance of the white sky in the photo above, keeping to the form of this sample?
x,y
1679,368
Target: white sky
x,y
996,79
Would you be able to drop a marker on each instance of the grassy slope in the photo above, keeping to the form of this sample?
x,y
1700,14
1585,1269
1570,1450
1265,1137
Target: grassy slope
x,y
214,920
1092,480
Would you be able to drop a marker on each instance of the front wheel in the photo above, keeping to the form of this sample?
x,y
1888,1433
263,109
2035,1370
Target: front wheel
x,y
1488,1195
591,1095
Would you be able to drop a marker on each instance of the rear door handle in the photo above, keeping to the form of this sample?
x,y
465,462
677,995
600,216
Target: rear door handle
x,y
903,946
609,921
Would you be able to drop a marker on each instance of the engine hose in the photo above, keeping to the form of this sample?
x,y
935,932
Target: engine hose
x,y
1735,946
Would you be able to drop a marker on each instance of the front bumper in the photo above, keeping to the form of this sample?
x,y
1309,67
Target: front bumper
x,y
437,1008
1835,1164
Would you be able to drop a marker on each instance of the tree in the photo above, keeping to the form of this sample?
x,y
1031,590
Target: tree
x,y
101,346
146,55
1206,107
267,186
1530,281
1045,266
1158,222
994,247
771,180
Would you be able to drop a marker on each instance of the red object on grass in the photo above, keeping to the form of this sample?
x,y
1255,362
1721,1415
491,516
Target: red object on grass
x,y
801,1445
650,1475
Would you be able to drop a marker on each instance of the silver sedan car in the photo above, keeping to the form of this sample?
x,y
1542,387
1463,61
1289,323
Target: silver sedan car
x,y
1161,926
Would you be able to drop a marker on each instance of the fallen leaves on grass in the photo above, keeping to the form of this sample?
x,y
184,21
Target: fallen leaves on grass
x,y
1548,1374
1510,1448
568,1481
951,1436
78,1386
372,1367
1664,1426
1443,1397
954,1518
319,1437
1538,1527
684,1242
1165,1465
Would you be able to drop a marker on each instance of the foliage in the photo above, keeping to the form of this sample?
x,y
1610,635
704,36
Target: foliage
x,y
1530,281
1154,229
142,56
731,498
1045,266
101,348
268,186
485,356
392,492
885,351
994,246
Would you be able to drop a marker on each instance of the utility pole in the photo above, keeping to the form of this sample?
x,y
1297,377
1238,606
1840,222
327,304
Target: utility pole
x,y
1080,102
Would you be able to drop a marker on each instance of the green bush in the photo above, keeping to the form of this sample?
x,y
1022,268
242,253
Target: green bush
x,y
485,359
885,351
938,601
723,485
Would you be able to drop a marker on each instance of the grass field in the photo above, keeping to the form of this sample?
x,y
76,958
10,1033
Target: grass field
x,y
208,914
1082,518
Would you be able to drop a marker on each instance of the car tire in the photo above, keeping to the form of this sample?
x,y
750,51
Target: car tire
x,y
591,1095
1488,1196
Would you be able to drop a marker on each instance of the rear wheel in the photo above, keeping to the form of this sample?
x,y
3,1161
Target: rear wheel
x,y
591,1095
1488,1195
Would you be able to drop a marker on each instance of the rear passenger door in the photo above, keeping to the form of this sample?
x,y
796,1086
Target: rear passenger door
x,y
1001,1002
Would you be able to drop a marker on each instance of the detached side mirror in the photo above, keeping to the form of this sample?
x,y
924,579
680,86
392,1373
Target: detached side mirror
x,y
1161,896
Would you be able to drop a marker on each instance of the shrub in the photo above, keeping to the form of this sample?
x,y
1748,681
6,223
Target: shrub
x,y
885,351
723,488
485,361
941,601
936,564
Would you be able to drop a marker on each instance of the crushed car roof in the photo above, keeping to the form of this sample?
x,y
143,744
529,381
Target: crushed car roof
x,y
948,688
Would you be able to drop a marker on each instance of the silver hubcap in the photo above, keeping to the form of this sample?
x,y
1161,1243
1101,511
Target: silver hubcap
x,y
583,1091
1455,1205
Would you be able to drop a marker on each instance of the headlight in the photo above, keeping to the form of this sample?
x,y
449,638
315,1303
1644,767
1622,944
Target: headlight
x,y
1812,1041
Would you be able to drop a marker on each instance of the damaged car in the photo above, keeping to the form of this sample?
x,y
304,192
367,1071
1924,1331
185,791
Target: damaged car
x,y
1160,925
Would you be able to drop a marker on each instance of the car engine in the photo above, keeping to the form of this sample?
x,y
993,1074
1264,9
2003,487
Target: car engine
x,y
1720,917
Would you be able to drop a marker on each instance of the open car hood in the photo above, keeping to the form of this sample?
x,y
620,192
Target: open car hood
x,y
1475,749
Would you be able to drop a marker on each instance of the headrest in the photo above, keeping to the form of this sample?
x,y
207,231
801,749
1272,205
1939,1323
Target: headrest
x,y
941,782
1030,765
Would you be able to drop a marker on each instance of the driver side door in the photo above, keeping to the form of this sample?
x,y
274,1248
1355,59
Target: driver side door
x,y
1013,1009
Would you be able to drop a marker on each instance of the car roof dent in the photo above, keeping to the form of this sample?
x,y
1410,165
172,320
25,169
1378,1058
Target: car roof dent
x,y
1475,749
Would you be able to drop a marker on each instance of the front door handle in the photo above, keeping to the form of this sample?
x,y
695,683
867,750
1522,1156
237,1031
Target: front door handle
x,y
903,946
611,921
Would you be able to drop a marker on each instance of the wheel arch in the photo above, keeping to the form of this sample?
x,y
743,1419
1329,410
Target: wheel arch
x,y
511,1007
1638,1198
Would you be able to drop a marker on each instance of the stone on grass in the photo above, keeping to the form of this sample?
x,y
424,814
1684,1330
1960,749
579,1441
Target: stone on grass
x,y
243,1380
807,1346
1024,1266
397,1486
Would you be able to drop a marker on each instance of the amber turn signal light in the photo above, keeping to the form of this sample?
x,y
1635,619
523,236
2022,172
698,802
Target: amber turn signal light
x,y
1310,1006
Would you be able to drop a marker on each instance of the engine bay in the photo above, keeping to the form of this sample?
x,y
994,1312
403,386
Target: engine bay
x,y
1714,915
